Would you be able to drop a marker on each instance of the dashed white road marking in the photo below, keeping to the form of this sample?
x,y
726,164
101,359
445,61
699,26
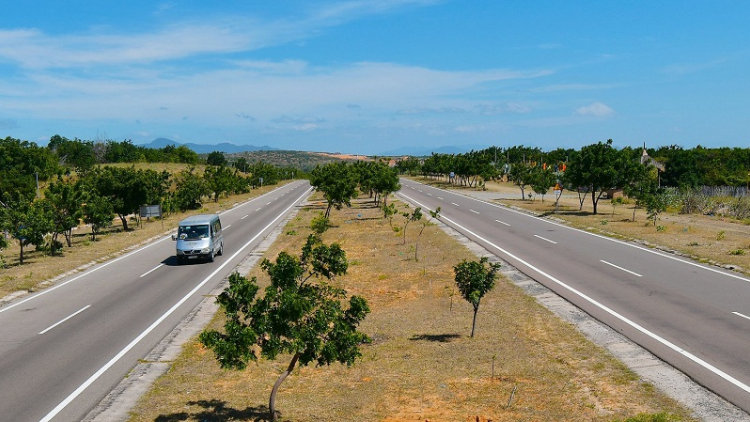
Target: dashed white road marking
x,y
620,268
65,319
151,270
545,239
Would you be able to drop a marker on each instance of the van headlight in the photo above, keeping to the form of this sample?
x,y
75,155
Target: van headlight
x,y
205,250
179,252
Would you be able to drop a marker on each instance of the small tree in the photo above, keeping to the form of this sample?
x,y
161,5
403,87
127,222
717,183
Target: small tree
x,y
433,215
474,279
296,315
98,213
655,204
389,211
414,216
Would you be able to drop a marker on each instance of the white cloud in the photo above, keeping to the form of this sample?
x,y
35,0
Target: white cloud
x,y
596,109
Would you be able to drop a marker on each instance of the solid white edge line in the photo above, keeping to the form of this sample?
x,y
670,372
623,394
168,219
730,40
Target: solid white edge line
x,y
151,270
634,325
65,319
156,323
620,268
545,239
741,315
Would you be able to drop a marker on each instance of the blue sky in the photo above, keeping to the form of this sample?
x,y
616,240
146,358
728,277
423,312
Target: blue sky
x,y
368,77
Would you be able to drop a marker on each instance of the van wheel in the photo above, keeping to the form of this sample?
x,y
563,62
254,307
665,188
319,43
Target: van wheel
x,y
211,257
221,249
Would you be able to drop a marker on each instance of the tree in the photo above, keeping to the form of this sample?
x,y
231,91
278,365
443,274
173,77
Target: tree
x,y
127,188
27,222
98,213
541,180
296,315
65,200
219,180
414,216
474,279
216,158
520,175
600,167
190,188
338,183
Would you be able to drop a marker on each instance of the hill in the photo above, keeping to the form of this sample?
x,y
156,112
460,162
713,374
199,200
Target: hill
x,y
224,147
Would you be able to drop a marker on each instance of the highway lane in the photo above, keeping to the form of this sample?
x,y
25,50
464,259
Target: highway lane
x,y
63,349
695,317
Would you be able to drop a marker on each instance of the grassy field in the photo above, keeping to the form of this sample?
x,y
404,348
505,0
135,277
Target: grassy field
x,y
524,364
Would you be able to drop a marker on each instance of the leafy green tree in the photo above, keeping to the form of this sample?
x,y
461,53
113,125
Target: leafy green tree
x,y
76,154
241,164
296,315
219,180
541,180
65,199
521,176
338,182
127,188
385,183
190,189
216,158
28,222
98,212
474,279
600,167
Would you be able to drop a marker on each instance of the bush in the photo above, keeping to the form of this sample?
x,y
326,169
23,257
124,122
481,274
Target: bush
x,y
320,224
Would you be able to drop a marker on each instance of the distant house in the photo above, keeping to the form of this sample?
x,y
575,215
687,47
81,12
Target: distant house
x,y
646,159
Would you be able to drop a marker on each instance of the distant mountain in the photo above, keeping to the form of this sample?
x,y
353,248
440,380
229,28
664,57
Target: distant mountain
x,y
160,143
425,151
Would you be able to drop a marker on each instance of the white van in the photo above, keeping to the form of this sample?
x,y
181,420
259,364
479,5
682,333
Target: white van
x,y
199,237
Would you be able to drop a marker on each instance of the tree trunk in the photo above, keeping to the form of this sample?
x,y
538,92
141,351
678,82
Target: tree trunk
x,y
594,200
124,219
474,321
68,237
282,377
20,259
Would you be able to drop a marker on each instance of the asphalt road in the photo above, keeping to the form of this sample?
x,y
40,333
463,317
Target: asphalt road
x,y
695,317
63,349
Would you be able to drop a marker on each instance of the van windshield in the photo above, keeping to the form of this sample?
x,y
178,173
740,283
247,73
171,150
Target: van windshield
x,y
193,232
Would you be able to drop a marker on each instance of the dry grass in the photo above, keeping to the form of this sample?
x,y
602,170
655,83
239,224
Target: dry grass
x,y
422,364
40,268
